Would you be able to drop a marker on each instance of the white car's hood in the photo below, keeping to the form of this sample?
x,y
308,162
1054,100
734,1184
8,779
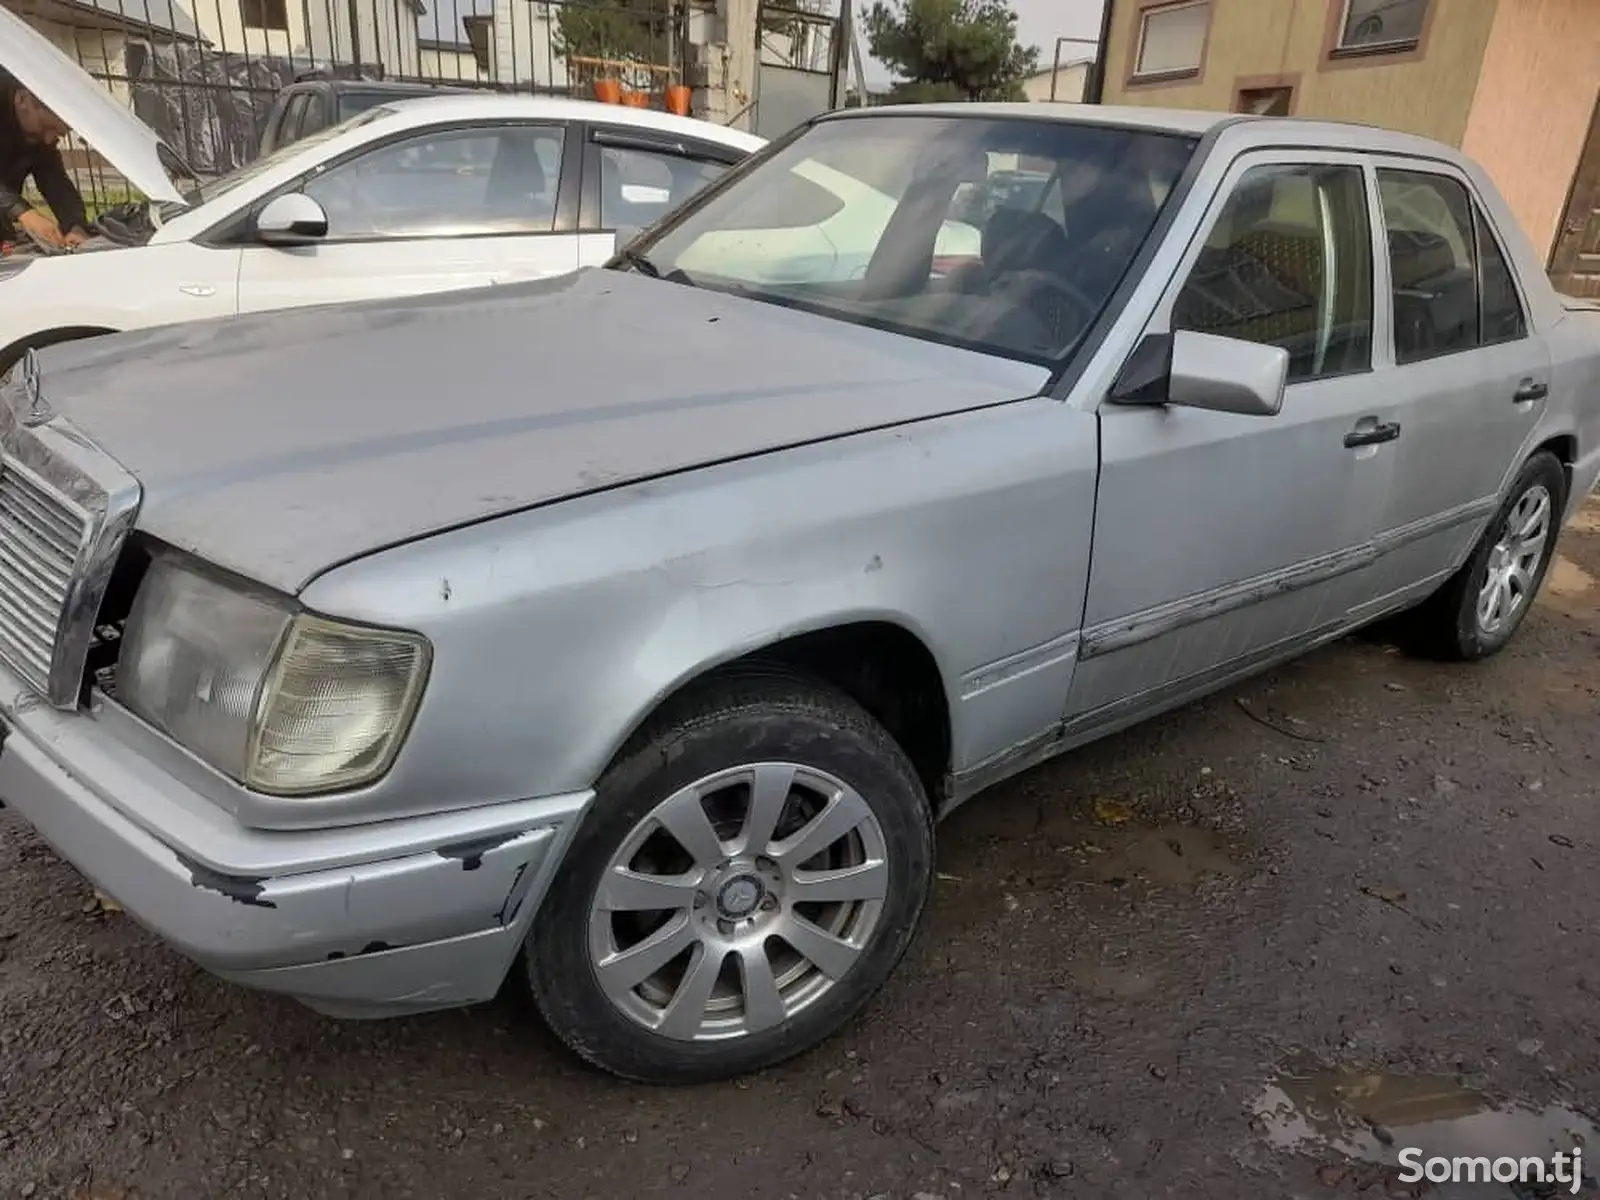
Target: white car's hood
x,y
128,144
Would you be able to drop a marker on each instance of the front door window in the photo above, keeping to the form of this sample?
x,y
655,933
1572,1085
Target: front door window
x,y
1289,263
450,183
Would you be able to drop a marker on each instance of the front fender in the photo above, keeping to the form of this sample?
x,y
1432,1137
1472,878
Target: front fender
x,y
558,630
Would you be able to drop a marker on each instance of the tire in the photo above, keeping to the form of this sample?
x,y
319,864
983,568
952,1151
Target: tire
x,y
716,750
1449,625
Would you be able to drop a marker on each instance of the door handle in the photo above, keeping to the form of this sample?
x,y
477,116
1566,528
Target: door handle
x,y
1530,389
1371,435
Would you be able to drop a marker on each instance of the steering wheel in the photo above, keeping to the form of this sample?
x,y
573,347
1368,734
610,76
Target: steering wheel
x,y
1051,299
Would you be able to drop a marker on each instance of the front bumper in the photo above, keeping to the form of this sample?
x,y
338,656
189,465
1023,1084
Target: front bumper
x,y
369,920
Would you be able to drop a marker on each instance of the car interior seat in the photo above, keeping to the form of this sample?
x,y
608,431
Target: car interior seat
x,y
1435,298
1260,279
517,182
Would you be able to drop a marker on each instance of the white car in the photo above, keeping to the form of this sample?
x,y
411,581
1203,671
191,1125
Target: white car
x,y
829,232
417,196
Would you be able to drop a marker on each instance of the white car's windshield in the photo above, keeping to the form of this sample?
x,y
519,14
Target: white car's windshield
x,y
223,184
917,223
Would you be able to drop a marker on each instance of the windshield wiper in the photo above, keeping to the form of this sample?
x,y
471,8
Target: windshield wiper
x,y
641,263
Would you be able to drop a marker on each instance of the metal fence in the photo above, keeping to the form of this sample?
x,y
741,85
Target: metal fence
x,y
205,73
796,66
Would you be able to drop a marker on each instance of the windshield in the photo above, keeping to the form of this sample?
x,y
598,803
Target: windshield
x,y
1008,236
226,183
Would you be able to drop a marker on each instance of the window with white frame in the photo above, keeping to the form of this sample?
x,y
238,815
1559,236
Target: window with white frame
x,y
1381,24
1172,39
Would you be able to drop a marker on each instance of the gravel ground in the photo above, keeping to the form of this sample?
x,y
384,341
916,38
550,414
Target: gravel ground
x,y
1364,860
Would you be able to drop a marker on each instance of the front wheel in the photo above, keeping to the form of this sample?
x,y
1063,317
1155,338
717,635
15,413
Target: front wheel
x,y
1483,604
752,870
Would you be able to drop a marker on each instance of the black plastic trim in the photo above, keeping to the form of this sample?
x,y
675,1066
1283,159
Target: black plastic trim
x,y
1146,377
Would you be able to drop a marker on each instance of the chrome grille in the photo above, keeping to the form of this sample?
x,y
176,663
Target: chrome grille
x,y
41,536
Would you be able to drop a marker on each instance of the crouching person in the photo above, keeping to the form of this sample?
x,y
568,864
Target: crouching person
x,y
28,135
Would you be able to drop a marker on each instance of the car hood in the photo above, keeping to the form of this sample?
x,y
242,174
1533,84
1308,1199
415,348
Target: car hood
x,y
280,445
127,143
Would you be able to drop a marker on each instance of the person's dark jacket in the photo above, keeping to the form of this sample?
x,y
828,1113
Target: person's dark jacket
x,y
20,158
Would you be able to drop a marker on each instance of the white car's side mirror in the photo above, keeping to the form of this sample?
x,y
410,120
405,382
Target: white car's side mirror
x,y
292,219
1201,370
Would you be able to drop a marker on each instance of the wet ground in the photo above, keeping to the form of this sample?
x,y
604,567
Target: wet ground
x,y
1254,949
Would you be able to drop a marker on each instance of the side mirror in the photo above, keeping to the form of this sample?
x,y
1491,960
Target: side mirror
x,y
292,219
1201,370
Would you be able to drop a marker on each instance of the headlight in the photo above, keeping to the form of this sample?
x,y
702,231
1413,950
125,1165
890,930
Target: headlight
x,y
284,702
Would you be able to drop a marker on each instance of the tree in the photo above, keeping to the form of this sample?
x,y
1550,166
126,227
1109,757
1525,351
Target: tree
x,y
627,30
950,49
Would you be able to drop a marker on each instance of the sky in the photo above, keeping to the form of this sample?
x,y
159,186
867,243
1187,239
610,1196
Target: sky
x,y
1040,23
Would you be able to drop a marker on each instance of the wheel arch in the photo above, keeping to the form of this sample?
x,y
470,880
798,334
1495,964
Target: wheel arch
x,y
878,662
1565,447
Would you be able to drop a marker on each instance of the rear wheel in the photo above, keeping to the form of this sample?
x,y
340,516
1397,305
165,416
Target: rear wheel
x,y
1476,613
753,868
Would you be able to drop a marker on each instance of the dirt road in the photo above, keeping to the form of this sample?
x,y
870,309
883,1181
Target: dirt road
x,y
1361,862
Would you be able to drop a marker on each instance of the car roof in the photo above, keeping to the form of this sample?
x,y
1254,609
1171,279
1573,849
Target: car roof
x,y
495,105
1251,129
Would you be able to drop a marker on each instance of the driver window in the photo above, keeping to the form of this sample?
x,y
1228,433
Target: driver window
x,y
459,183
1289,263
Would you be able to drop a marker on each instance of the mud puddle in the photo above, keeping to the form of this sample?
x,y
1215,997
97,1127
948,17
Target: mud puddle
x,y
1437,1125
1172,856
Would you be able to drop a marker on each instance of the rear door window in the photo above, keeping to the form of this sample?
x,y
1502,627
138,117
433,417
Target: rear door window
x,y
638,185
1500,315
1433,264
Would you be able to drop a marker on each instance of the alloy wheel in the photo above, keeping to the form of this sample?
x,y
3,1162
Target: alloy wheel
x,y
738,901
1513,566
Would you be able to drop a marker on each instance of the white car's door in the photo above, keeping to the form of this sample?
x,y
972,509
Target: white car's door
x,y
429,211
